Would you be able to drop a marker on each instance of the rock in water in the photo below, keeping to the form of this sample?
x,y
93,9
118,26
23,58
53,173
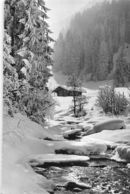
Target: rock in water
x,y
77,190
72,134
107,125
71,185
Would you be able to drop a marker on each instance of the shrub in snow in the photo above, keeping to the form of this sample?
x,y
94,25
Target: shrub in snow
x,y
37,104
112,102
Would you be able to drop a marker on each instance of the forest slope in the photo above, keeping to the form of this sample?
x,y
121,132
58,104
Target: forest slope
x,y
97,43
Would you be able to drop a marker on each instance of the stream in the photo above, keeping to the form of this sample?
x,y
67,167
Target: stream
x,y
101,176
97,176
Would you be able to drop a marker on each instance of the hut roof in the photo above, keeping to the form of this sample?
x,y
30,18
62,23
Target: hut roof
x,y
70,88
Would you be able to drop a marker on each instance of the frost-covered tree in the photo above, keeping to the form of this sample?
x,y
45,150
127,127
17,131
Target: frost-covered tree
x,y
11,83
78,100
30,53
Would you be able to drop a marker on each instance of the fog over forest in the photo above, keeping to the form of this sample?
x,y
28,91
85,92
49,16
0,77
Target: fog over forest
x,y
96,42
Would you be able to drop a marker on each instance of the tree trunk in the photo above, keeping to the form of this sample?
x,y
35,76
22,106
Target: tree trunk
x,y
74,99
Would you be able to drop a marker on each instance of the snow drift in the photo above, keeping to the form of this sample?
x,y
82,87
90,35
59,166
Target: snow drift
x,y
21,138
90,147
123,153
112,124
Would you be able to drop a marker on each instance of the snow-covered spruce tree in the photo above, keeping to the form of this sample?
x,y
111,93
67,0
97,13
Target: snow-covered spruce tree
x,y
11,83
25,21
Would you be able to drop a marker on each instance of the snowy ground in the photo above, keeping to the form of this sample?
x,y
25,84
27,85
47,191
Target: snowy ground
x,y
24,139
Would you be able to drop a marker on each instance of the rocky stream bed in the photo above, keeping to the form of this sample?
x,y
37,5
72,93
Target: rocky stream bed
x,y
97,176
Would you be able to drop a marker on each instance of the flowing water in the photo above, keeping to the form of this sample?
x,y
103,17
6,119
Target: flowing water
x,y
101,176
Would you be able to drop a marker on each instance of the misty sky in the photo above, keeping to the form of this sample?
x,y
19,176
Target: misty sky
x,y
62,11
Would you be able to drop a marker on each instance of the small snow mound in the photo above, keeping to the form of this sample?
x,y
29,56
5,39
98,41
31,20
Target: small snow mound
x,y
123,151
91,147
112,124
45,159
113,136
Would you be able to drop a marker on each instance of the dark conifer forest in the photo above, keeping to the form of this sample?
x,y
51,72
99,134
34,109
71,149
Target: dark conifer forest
x,y
97,43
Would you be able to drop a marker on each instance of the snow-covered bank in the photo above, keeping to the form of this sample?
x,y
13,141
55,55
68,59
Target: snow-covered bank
x,y
115,136
21,138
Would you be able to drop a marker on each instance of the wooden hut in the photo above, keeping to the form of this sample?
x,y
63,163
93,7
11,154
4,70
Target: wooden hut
x,y
62,91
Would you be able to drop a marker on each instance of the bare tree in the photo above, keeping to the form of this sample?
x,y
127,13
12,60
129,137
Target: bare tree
x,y
78,99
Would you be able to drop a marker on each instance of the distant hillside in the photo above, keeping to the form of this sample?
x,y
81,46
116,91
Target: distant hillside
x,y
94,38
